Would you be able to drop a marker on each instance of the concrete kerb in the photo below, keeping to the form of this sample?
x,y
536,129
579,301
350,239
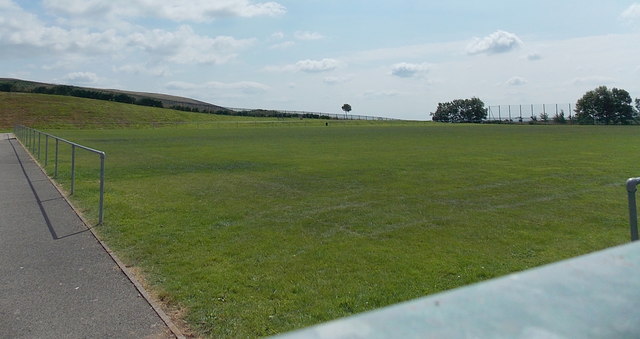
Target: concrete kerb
x,y
139,287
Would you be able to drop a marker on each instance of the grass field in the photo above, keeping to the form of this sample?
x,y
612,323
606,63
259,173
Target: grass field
x,y
258,230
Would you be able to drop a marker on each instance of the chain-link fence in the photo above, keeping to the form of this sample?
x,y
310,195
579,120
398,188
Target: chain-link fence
x,y
525,113
305,114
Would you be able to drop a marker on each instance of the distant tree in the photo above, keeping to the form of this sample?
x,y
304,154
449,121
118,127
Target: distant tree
x,y
6,87
559,118
460,110
121,97
149,102
602,105
42,90
61,90
544,116
346,108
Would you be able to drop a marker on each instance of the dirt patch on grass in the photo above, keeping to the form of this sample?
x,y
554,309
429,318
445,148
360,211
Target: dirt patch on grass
x,y
176,312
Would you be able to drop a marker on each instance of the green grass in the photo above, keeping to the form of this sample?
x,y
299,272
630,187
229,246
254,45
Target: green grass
x,y
256,231
54,111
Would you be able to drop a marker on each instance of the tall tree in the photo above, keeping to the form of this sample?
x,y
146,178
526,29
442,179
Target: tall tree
x,y
605,106
460,110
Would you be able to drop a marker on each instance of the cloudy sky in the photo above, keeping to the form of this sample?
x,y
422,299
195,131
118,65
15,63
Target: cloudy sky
x,y
386,58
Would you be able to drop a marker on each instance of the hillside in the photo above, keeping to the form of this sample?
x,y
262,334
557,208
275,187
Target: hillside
x,y
167,101
47,111
8,85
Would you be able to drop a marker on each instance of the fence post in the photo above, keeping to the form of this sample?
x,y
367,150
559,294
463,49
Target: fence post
x,y
73,165
46,150
101,207
55,172
633,214
569,111
28,135
520,113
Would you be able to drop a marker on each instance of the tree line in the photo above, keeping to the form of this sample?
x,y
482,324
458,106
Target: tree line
x,y
145,101
84,93
599,106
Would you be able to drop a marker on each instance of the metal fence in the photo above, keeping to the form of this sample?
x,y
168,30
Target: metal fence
x,y
345,116
33,141
523,113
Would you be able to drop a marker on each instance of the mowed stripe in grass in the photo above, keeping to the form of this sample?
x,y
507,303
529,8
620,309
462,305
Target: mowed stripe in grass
x,y
257,231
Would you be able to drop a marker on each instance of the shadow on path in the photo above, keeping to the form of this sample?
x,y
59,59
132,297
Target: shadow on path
x,y
43,211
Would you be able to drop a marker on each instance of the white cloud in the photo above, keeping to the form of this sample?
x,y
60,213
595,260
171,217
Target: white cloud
x,y
315,66
246,87
516,81
534,56
496,42
158,71
632,13
81,78
22,33
186,47
337,80
381,94
302,35
175,10
182,85
592,81
307,66
89,8
407,70
277,36
204,10
283,45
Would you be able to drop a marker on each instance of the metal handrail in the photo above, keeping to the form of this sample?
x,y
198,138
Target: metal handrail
x,y
632,184
29,136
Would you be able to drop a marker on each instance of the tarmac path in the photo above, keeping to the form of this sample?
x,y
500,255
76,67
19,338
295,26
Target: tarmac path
x,y
56,280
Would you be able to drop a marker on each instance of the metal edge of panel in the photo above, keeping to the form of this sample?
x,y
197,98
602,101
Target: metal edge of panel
x,y
592,296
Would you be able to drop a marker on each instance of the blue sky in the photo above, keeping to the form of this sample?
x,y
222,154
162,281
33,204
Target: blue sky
x,y
386,58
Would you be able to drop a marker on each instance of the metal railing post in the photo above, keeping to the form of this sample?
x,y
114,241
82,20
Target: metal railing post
x,y
101,207
55,172
46,150
632,184
73,167
28,139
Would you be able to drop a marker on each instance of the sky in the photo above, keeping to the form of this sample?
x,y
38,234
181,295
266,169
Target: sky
x,y
395,59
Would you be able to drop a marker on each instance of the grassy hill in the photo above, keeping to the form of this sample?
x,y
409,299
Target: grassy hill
x,y
25,86
8,85
50,111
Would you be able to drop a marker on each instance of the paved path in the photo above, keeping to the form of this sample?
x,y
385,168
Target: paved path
x,y
56,280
